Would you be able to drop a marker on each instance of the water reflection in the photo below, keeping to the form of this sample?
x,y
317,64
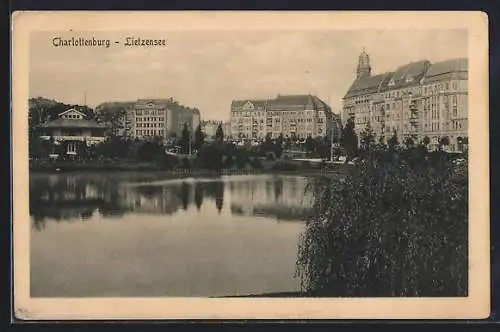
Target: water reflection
x,y
112,235
79,197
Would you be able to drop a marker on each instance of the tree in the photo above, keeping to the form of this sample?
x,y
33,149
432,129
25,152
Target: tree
x,y
309,145
288,142
349,140
185,141
426,141
464,144
444,141
113,114
209,157
280,139
268,138
219,134
367,137
379,233
393,142
408,142
199,138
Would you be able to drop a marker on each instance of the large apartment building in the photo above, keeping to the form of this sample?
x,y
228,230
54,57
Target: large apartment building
x,y
291,115
416,100
159,118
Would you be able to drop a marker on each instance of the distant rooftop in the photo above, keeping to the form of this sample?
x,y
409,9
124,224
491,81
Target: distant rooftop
x,y
285,102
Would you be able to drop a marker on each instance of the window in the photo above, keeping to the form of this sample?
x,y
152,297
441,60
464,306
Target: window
x,y
71,148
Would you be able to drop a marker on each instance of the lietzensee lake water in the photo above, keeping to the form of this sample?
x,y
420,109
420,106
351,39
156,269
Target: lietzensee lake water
x,y
111,235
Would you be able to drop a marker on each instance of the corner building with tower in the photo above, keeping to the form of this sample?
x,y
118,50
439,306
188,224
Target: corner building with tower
x,y
416,100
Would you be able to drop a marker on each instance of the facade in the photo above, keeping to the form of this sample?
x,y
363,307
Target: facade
x,y
73,131
148,119
416,100
159,118
178,116
291,115
209,127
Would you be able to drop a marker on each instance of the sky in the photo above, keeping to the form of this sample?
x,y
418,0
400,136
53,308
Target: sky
x,y
208,70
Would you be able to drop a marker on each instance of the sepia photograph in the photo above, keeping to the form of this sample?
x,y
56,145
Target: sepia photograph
x,y
262,165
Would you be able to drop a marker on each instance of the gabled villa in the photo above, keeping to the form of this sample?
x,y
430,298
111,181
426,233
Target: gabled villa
x,y
73,132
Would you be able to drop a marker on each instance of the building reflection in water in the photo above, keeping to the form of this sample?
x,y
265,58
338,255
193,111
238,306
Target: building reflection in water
x,y
80,197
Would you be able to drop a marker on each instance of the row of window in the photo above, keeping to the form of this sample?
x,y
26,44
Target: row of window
x,y
278,120
72,116
427,90
149,112
428,103
161,118
275,113
454,125
150,125
149,132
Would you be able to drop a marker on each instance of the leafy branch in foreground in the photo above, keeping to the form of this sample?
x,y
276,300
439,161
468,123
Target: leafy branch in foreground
x,y
396,227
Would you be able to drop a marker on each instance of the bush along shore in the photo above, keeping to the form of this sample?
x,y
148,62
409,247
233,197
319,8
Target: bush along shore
x,y
213,161
397,226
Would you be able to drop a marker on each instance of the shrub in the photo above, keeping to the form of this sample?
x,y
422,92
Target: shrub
x,y
209,157
396,227
284,166
255,163
186,163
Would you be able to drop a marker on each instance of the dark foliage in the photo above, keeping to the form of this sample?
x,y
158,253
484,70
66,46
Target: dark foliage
x,y
219,134
185,140
396,227
255,163
199,138
209,157
349,140
284,166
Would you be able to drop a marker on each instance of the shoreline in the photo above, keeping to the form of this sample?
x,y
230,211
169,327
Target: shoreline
x,y
179,173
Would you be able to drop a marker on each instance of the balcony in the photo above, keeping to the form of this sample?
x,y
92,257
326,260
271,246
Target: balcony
x,y
413,120
413,105
89,139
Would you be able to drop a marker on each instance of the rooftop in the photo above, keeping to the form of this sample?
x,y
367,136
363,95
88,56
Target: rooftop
x,y
285,102
369,84
72,123
449,69
165,103
259,103
409,74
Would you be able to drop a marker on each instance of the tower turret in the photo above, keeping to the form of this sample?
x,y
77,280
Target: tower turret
x,y
364,69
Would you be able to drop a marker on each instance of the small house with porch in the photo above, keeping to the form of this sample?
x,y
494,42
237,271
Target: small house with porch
x,y
72,133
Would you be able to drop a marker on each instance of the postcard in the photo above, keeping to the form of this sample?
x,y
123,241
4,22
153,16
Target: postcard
x,y
250,165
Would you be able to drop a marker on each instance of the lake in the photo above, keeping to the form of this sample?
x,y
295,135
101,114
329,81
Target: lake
x,y
123,236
